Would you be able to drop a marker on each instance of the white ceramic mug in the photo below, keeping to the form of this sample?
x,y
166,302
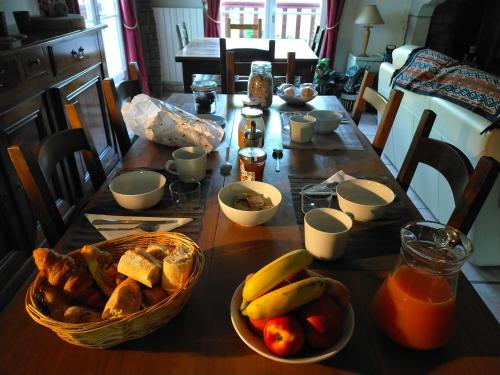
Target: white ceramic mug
x,y
326,232
301,128
189,163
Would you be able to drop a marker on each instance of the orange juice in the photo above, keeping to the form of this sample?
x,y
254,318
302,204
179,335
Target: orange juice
x,y
415,308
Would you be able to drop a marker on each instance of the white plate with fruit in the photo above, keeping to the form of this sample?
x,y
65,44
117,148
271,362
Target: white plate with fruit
x,y
306,320
297,96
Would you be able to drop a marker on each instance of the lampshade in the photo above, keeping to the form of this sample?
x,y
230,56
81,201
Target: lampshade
x,y
369,16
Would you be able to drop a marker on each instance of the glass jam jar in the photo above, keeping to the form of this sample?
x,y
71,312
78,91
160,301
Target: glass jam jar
x,y
415,304
252,162
205,96
247,116
260,83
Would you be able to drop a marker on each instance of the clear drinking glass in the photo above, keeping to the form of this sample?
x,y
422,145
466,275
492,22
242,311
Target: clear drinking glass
x,y
415,304
185,195
315,196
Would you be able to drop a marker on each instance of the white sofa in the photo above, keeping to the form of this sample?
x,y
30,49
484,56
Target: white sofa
x,y
460,127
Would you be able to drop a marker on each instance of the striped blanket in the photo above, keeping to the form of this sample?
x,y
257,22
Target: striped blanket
x,y
432,73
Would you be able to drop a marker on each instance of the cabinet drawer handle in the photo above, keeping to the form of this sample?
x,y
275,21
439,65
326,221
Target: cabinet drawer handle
x,y
35,61
80,55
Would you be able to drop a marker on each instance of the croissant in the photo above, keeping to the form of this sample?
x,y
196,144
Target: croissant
x,y
53,301
62,273
80,314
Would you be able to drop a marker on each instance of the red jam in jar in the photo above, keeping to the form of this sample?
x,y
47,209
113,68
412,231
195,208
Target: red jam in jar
x,y
252,162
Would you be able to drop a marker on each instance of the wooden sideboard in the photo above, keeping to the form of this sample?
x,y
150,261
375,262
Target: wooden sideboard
x,y
36,80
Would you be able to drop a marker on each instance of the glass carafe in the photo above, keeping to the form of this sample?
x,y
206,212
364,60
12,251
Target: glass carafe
x,y
415,304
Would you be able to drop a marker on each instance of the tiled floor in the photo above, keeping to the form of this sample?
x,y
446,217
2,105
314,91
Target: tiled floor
x,y
486,280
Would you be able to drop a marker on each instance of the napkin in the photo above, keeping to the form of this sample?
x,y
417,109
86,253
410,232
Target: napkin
x,y
110,235
332,181
168,125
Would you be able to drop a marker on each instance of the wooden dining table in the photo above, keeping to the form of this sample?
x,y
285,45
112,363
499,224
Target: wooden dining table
x,y
201,339
202,56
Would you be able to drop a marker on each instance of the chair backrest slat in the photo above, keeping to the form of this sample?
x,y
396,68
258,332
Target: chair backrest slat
x,y
256,27
470,187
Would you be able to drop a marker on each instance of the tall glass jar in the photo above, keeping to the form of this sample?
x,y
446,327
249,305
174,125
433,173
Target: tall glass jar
x,y
415,304
247,116
205,96
260,83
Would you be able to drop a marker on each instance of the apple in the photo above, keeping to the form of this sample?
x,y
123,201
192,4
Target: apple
x,y
284,335
322,322
257,325
300,275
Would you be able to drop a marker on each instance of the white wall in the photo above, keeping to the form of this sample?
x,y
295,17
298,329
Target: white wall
x,y
8,6
350,39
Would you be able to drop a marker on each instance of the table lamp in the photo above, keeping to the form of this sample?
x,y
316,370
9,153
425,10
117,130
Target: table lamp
x,y
368,17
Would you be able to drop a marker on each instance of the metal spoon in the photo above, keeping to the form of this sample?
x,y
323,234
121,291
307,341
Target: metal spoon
x,y
277,155
225,169
145,227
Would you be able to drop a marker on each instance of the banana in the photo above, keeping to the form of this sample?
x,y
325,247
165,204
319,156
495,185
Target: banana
x,y
338,291
283,300
274,273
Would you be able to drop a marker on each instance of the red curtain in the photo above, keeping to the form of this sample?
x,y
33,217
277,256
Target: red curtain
x,y
212,25
132,39
333,13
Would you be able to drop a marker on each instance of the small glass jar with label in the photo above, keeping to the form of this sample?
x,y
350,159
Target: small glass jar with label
x,y
247,116
205,96
252,162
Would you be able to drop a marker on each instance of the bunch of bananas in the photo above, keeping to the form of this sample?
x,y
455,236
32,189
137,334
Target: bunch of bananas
x,y
260,301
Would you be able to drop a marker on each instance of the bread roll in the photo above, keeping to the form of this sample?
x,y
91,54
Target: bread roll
x,y
157,251
99,263
80,314
126,299
140,266
151,296
307,92
176,269
289,91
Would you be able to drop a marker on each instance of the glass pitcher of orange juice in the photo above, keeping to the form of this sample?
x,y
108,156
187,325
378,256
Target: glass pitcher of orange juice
x,y
415,304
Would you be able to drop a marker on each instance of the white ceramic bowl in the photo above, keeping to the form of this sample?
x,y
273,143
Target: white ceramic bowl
x,y
365,199
138,190
326,121
248,218
304,356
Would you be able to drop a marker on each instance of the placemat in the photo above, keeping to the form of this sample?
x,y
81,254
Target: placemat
x,y
343,138
85,233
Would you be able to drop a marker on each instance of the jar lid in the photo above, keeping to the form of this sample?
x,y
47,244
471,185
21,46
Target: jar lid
x,y
205,85
250,112
255,154
251,102
261,67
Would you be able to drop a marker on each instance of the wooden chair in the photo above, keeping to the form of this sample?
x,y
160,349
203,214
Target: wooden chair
x,y
115,96
244,57
387,107
35,172
256,27
182,34
470,187
234,69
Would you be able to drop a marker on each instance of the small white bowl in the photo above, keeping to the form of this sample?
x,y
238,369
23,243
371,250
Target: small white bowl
x,y
138,190
229,192
364,199
326,121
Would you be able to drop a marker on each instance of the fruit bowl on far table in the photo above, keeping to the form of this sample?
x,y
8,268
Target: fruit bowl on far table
x,y
297,99
256,343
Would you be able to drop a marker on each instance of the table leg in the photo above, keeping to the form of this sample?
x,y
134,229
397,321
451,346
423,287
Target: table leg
x,y
187,76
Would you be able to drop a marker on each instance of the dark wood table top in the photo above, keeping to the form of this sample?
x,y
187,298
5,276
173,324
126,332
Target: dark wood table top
x,y
201,340
207,49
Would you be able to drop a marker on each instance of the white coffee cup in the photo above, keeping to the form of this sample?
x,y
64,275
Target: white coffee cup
x,y
189,163
326,232
301,128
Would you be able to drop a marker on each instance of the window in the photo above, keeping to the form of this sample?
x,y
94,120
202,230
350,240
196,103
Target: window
x,y
295,19
107,12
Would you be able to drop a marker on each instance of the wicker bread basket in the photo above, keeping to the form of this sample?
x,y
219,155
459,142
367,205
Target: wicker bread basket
x,y
107,333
